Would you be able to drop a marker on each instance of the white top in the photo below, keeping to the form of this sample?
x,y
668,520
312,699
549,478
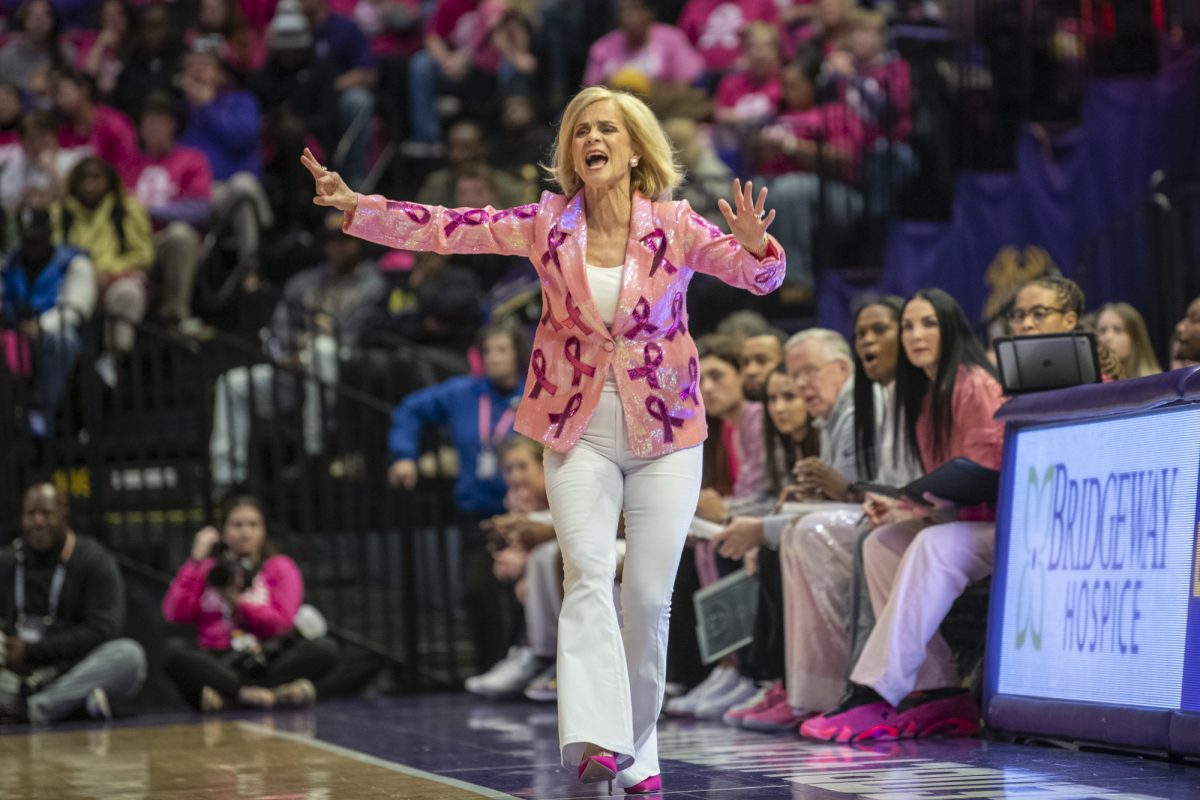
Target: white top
x,y
897,464
605,283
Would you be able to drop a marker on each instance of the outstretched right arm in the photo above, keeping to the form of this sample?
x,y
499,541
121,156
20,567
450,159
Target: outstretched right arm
x,y
412,226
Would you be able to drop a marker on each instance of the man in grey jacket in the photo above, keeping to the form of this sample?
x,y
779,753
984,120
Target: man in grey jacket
x,y
819,361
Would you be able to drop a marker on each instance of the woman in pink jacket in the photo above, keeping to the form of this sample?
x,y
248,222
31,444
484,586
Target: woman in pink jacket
x,y
242,597
612,391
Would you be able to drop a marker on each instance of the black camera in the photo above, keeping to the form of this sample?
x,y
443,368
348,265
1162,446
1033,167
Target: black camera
x,y
228,569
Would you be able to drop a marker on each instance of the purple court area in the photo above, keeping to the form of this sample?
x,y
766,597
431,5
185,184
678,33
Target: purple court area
x,y
512,748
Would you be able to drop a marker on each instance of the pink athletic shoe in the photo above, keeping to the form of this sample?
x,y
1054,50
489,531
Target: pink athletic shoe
x,y
938,712
779,717
861,716
651,784
771,696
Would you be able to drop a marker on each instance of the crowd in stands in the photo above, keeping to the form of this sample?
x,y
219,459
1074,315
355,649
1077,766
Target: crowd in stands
x,y
199,110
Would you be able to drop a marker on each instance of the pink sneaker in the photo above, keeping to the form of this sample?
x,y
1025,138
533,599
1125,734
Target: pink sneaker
x,y
938,712
779,717
769,697
861,716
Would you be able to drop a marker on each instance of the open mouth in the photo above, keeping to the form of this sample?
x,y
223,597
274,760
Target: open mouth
x,y
594,160
870,358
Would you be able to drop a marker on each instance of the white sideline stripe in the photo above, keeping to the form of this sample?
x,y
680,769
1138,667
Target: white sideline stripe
x,y
354,755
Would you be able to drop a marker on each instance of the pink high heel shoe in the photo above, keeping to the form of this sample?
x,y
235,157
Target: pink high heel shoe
x,y
651,784
598,769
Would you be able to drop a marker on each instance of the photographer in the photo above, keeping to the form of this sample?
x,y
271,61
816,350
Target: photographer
x,y
62,607
242,597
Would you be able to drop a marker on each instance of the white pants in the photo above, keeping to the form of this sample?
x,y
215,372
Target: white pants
x,y
229,443
543,599
611,668
915,573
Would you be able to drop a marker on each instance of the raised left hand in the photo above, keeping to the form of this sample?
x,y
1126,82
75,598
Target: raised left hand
x,y
749,224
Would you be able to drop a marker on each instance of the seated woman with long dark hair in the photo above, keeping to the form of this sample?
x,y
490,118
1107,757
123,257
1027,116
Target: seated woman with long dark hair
x,y
243,597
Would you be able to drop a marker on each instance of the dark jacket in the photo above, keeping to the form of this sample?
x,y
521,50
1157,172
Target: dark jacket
x,y
91,610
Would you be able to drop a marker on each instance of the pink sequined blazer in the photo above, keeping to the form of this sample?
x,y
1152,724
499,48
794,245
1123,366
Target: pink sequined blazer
x,y
649,348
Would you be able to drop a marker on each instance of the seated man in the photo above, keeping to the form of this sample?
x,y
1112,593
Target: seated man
x,y
323,309
63,607
48,292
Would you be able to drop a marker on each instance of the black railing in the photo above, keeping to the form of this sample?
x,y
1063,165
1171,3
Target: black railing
x,y
1161,232
381,564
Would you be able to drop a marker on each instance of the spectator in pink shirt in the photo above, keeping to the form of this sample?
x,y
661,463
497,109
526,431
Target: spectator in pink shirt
x,y
811,153
874,81
661,52
751,96
174,183
93,129
244,598
747,98
790,142
471,47
394,26
715,28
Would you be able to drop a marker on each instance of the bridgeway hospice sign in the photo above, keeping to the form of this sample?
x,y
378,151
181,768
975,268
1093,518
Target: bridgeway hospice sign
x,y
1100,560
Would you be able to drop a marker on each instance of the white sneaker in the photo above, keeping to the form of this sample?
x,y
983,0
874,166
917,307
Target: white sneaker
x,y
714,704
758,697
106,368
510,676
716,681
96,705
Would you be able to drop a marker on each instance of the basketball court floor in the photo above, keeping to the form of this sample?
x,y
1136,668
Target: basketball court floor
x,y
454,747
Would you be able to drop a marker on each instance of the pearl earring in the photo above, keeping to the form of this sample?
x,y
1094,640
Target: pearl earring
x,y
633,162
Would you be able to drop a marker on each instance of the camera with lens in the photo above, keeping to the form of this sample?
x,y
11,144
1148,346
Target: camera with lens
x,y
229,570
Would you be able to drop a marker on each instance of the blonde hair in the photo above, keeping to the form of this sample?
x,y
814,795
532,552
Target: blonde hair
x,y
656,175
1141,361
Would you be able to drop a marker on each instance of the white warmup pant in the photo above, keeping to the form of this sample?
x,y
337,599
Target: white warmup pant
x,y
915,573
611,669
229,442
816,554
543,599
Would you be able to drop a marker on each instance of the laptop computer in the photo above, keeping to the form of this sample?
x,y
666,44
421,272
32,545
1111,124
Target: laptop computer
x,y
1047,361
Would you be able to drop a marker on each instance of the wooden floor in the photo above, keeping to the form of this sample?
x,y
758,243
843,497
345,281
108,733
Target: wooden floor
x,y
214,759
